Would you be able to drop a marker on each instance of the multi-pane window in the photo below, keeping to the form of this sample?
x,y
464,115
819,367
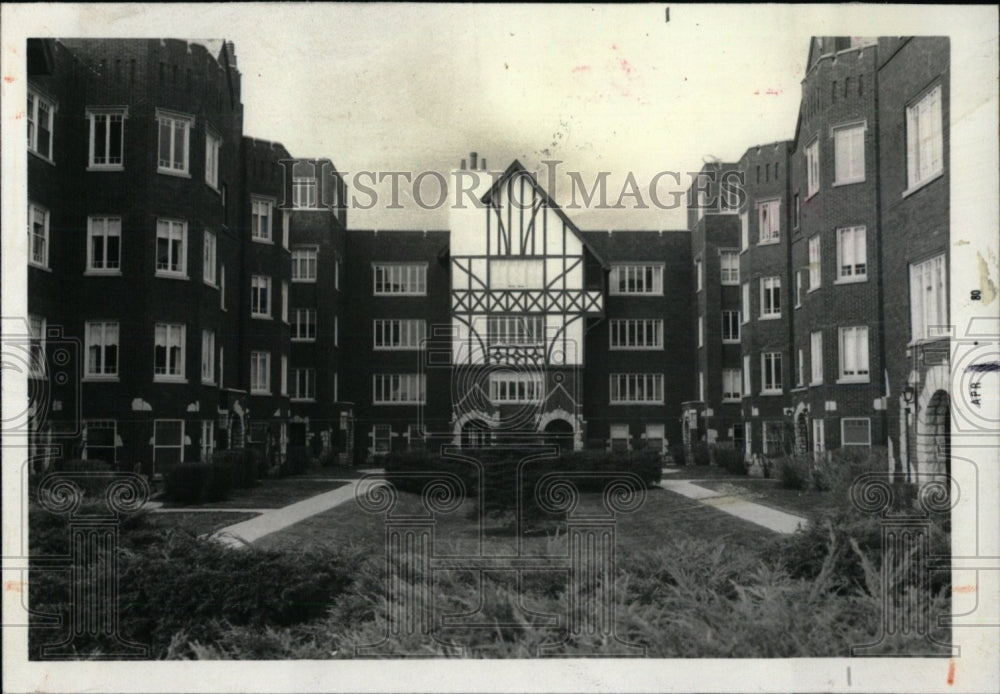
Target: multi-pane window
x,y
814,263
382,439
729,262
701,331
773,440
107,137
284,301
744,230
730,326
212,144
260,296
770,372
924,138
171,247
746,373
796,211
636,279
854,353
391,389
929,298
168,444
304,264
769,221
40,115
731,384
852,254
636,388
400,278
800,372
816,357
399,333
516,330
770,297
174,136
168,351
303,384
99,438
699,277
655,436
207,356
619,437
102,349
636,333
260,372
515,387
304,324
812,168
849,154
745,301
104,244
304,191
209,254
284,375
36,328
260,219
38,235
207,439
855,431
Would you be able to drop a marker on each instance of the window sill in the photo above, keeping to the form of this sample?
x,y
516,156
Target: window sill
x,y
841,184
410,403
258,239
106,167
421,294
730,342
306,340
169,379
814,289
733,400
260,316
307,281
213,188
811,195
730,284
213,285
610,293
771,242
260,392
39,155
100,379
638,402
798,389
773,317
849,381
38,266
852,280
173,172
172,276
922,184
770,393
102,273
927,340
797,306
816,384
302,400
658,348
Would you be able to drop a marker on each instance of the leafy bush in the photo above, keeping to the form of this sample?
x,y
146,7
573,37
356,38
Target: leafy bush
x,y
244,464
795,471
197,483
678,454
730,459
91,476
329,457
297,461
699,452
81,465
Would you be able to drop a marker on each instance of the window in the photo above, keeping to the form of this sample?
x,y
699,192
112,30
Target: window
x,y
260,373
701,331
798,288
168,444
107,138
619,437
212,144
849,154
382,439
171,248
304,192
773,438
797,211
636,388
855,431
395,389
924,140
929,298
210,252
399,333
636,279
517,274
744,231
260,219
40,121
636,333
303,384
816,357
100,441
515,387
400,279
770,297
746,373
102,349
729,262
284,375
729,197
207,439
852,254
701,386
336,274
800,372
207,356
222,367
304,324
745,300
854,353
222,288
769,221
731,385
336,331
819,436
38,367
175,132
260,296
770,372
730,326
304,264
814,263
168,352
699,279
38,236
812,168
284,302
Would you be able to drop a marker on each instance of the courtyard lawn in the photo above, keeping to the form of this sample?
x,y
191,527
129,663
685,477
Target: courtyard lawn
x,y
272,493
769,492
199,522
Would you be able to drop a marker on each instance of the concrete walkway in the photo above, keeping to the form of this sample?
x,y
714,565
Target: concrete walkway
x,y
772,519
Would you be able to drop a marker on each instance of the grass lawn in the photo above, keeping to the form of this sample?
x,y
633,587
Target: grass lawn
x,y
198,522
698,472
272,493
768,492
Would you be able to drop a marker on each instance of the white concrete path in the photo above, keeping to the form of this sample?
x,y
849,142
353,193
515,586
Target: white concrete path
x,y
772,519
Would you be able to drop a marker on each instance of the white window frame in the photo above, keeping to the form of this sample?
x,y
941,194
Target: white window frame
x,y
399,389
635,334
812,168
515,330
929,298
513,387
102,334
307,185
701,331
924,139
303,385
222,288
213,145
769,222
170,371
260,373
849,137
157,445
747,374
208,356
284,301
800,371
104,227
107,115
744,231
92,425
699,275
261,226
175,231
798,286
210,252
35,101
304,319
305,264
399,279
731,326
644,279
745,303
855,354
38,368
38,244
260,296
816,357
815,266
284,375
207,443
848,268
381,439
398,334
636,388
843,430
770,297
729,268
168,166
731,379
771,373
615,432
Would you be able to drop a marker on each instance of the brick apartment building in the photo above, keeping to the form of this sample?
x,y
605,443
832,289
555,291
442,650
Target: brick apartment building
x,y
216,298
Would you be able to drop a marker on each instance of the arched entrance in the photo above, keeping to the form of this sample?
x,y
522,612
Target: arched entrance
x,y
475,434
802,433
559,432
938,432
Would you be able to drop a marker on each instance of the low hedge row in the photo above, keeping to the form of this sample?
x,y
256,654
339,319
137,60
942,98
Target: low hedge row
x,y
245,464
197,483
